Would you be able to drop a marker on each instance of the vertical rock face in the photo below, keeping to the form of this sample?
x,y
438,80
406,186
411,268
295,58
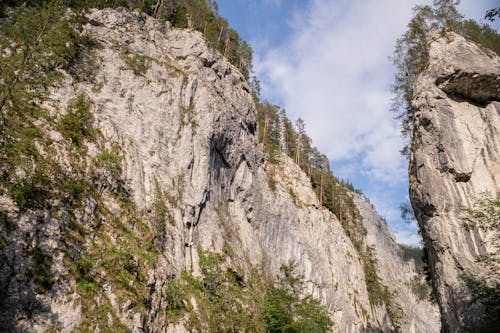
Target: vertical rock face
x,y
417,313
455,174
184,120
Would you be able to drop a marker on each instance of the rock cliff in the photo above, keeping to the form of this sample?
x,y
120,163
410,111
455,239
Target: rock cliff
x,y
455,179
175,172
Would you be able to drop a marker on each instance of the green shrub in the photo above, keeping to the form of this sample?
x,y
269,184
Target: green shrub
x,y
312,317
176,300
75,125
483,34
285,310
484,213
111,161
41,271
413,252
420,288
6,222
32,191
489,297
137,63
86,279
277,311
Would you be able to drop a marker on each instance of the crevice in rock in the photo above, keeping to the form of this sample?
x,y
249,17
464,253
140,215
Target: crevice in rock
x,y
460,177
473,88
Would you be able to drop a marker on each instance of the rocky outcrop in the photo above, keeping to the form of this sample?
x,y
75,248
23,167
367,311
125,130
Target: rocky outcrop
x,y
184,121
454,173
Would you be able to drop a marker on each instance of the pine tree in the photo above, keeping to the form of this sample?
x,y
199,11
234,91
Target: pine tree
x,y
300,138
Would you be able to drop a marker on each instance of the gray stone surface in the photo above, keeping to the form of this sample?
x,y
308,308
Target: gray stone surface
x,y
188,124
454,162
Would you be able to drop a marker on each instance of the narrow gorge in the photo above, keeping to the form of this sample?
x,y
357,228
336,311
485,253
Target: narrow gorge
x,y
138,195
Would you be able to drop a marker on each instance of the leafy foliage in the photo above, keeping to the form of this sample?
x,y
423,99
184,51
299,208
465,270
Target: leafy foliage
x,y
111,161
38,42
226,303
138,64
489,297
75,125
41,271
492,14
484,213
420,284
201,15
483,34
285,310
407,213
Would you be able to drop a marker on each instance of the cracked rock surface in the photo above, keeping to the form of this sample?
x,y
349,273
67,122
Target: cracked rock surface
x,y
187,124
455,162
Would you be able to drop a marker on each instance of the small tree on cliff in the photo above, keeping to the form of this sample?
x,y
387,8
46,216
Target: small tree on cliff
x,y
411,56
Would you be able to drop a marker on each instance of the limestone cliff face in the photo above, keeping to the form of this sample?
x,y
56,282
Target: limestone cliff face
x,y
455,166
186,127
399,276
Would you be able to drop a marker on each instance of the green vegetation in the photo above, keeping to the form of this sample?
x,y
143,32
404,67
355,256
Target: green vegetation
x,y
285,310
411,53
479,289
138,64
377,292
484,213
119,256
161,215
76,125
413,252
41,271
489,297
277,135
201,15
420,283
111,161
39,42
492,14
226,302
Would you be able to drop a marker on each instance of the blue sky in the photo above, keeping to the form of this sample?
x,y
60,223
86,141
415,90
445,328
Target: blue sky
x,y
327,61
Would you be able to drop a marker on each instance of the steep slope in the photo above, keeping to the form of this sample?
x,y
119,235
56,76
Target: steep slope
x,y
406,285
455,179
173,172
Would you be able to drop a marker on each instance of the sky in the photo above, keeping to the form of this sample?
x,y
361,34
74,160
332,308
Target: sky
x,y
327,62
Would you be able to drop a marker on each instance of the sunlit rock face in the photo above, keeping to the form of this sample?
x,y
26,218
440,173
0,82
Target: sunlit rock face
x,y
185,122
455,167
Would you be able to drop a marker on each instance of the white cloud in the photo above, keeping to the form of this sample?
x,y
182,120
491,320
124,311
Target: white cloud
x,y
334,72
408,237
